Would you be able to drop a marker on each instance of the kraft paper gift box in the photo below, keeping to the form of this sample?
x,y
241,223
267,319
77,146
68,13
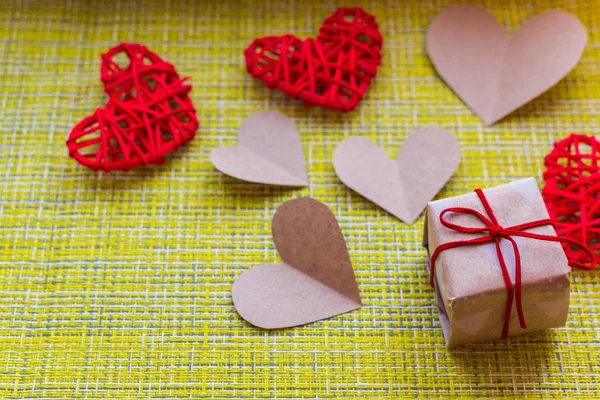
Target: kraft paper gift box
x,y
469,286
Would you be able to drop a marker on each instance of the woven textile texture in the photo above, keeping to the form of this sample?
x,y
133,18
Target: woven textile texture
x,y
118,285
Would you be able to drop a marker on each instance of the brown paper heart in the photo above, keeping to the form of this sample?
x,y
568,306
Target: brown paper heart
x,y
495,74
402,187
316,280
269,151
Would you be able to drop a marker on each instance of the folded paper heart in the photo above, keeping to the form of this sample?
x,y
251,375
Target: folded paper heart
x,y
495,74
316,279
332,71
402,187
148,113
269,151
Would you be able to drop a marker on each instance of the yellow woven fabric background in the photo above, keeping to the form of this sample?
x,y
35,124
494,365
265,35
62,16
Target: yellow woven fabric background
x,y
118,285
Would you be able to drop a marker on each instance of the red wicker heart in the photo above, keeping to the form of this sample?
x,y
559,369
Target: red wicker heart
x,y
148,114
333,71
572,191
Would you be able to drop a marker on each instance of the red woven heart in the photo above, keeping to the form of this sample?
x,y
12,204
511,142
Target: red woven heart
x,y
332,71
572,191
148,114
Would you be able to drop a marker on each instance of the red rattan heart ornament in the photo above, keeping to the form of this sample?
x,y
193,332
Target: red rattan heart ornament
x,y
572,191
332,71
148,113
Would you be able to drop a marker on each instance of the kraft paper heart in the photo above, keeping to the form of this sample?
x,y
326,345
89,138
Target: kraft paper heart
x,y
495,74
269,151
316,280
402,187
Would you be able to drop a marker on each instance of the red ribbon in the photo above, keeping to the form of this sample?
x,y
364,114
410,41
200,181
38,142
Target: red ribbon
x,y
495,232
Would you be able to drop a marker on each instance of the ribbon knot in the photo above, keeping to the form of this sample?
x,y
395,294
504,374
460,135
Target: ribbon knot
x,y
495,230
495,233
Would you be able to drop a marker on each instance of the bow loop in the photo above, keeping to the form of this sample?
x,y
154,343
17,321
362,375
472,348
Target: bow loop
x,y
466,229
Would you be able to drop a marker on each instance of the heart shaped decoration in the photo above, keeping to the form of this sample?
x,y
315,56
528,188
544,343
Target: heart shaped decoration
x,y
333,71
148,113
572,192
402,187
269,151
316,279
495,74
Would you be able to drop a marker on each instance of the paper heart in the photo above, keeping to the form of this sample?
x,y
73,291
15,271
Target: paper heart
x,y
269,151
495,74
148,113
402,187
316,280
333,71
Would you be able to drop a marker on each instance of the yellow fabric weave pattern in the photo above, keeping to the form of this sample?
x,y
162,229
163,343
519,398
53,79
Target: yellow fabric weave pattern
x,y
118,285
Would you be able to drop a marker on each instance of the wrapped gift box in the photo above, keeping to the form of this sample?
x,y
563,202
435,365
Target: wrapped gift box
x,y
469,286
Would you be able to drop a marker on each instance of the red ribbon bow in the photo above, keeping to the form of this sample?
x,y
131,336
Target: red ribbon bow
x,y
495,232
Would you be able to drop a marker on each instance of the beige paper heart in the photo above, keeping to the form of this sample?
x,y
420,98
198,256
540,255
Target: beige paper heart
x,y
402,187
316,280
495,74
269,151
